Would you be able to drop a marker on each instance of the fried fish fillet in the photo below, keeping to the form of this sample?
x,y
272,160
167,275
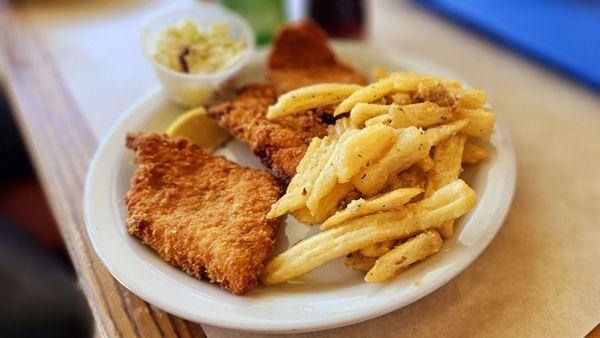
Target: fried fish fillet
x,y
301,56
201,213
280,144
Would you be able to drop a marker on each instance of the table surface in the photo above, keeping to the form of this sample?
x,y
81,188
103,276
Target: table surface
x,y
70,68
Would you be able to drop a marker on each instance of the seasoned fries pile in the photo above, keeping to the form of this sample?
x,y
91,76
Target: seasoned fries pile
x,y
384,183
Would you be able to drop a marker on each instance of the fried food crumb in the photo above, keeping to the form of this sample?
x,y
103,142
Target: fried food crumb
x,y
201,213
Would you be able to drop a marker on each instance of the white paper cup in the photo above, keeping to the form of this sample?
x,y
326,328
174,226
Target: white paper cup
x,y
196,89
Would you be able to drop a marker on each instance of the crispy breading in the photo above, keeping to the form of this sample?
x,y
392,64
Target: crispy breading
x,y
201,213
301,56
281,143
433,92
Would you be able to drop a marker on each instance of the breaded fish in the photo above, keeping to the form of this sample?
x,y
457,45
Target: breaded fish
x,y
280,144
201,213
301,56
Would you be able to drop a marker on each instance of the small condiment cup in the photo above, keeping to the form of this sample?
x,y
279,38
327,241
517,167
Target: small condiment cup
x,y
196,89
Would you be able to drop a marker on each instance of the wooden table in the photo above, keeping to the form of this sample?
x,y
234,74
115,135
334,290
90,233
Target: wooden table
x,y
70,68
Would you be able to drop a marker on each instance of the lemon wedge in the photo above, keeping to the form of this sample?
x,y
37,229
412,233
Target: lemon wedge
x,y
196,126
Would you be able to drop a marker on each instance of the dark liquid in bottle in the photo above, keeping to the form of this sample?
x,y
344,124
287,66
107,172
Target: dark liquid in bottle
x,y
339,18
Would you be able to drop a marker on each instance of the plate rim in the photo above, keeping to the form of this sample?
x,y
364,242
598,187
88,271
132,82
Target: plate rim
x,y
494,225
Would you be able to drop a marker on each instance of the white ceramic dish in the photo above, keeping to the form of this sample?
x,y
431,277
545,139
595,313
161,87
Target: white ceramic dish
x,y
331,295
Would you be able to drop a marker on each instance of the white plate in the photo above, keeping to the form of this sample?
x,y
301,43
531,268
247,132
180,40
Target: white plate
x,y
331,295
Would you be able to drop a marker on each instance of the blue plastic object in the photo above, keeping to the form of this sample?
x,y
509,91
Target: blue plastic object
x,y
562,34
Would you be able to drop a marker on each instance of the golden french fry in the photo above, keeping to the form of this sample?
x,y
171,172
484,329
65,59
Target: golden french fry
x,y
327,178
340,126
329,204
409,82
471,98
379,147
366,94
307,171
413,177
423,114
396,82
364,111
434,91
450,202
359,262
385,119
446,230
447,166
303,215
481,121
326,208
377,249
388,201
473,153
362,148
411,146
401,98
310,97
441,133
447,160
331,201
380,73
426,163
413,250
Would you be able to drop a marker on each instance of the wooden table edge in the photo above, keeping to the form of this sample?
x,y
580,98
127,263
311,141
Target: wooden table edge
x,y
61,145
